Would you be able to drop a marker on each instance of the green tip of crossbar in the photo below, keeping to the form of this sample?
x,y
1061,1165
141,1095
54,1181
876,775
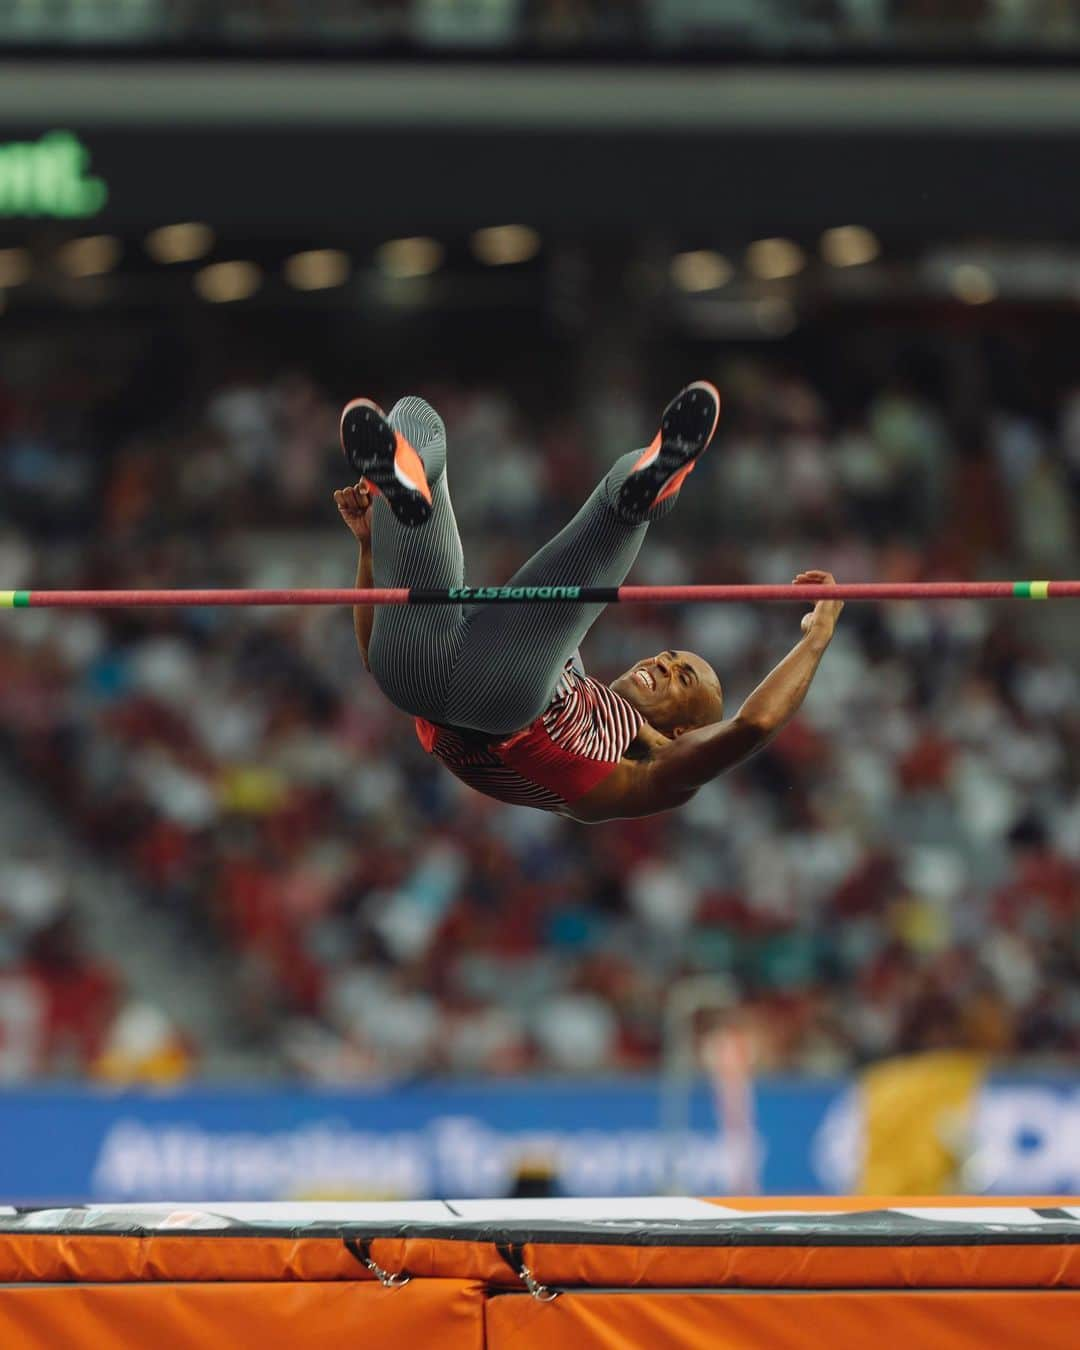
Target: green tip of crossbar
x,y
1031,590
14,599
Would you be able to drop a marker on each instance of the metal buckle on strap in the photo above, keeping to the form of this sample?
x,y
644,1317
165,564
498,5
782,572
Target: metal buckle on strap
x,y
539,1291
361,1249
513,1254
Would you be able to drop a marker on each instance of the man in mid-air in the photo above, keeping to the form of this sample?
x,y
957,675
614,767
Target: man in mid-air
x,y
498,691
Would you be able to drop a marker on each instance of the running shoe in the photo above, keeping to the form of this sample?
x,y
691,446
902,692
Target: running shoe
x,y
686,428
382,455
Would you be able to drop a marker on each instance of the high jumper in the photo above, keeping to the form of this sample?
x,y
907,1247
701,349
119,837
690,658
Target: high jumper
x,y
498,693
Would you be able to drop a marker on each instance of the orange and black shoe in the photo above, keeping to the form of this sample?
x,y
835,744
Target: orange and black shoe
x,y
386,459
686,428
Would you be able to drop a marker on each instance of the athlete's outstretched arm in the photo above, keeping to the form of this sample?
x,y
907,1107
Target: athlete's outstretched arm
x,y
354,503
680,767
676,768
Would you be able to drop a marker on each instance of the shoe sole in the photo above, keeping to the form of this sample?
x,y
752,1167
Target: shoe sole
x,y
385,458
686,428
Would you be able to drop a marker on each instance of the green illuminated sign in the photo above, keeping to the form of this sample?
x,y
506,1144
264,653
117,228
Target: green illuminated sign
x,y
47,177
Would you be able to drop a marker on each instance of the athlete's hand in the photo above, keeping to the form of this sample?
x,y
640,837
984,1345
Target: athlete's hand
x,y
821,621
354,503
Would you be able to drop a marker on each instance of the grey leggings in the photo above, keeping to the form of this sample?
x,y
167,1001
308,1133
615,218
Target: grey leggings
x,y
490,668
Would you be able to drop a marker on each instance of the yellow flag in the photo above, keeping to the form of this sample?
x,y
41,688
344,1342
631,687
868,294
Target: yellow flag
x,y
917,1112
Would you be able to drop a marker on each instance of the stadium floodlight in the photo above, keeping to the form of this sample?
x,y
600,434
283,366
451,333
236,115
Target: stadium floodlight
x,y
700,270
15,267
972,284
501,245
413,257
773,259
317,269
224,282
849,246
91,256
183,242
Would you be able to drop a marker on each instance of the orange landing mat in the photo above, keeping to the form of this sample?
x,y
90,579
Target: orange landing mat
x,y
546,1275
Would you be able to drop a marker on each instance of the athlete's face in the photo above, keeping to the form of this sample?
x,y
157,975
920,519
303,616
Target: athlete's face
x,y
673,691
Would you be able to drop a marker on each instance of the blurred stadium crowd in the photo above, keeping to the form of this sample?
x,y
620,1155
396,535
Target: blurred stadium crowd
x,y
553,25
900,870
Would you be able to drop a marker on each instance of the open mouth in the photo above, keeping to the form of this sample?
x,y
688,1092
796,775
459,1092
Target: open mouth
x,y
644,678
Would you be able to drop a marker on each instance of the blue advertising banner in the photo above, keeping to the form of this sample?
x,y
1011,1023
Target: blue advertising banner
x,y
470,1138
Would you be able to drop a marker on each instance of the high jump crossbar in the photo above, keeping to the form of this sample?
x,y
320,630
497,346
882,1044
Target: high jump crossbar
x,y
496,595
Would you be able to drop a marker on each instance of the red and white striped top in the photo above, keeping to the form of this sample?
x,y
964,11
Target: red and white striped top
x,y
571,747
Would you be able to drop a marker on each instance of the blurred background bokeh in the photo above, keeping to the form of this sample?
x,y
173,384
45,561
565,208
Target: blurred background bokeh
x,y
253,943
